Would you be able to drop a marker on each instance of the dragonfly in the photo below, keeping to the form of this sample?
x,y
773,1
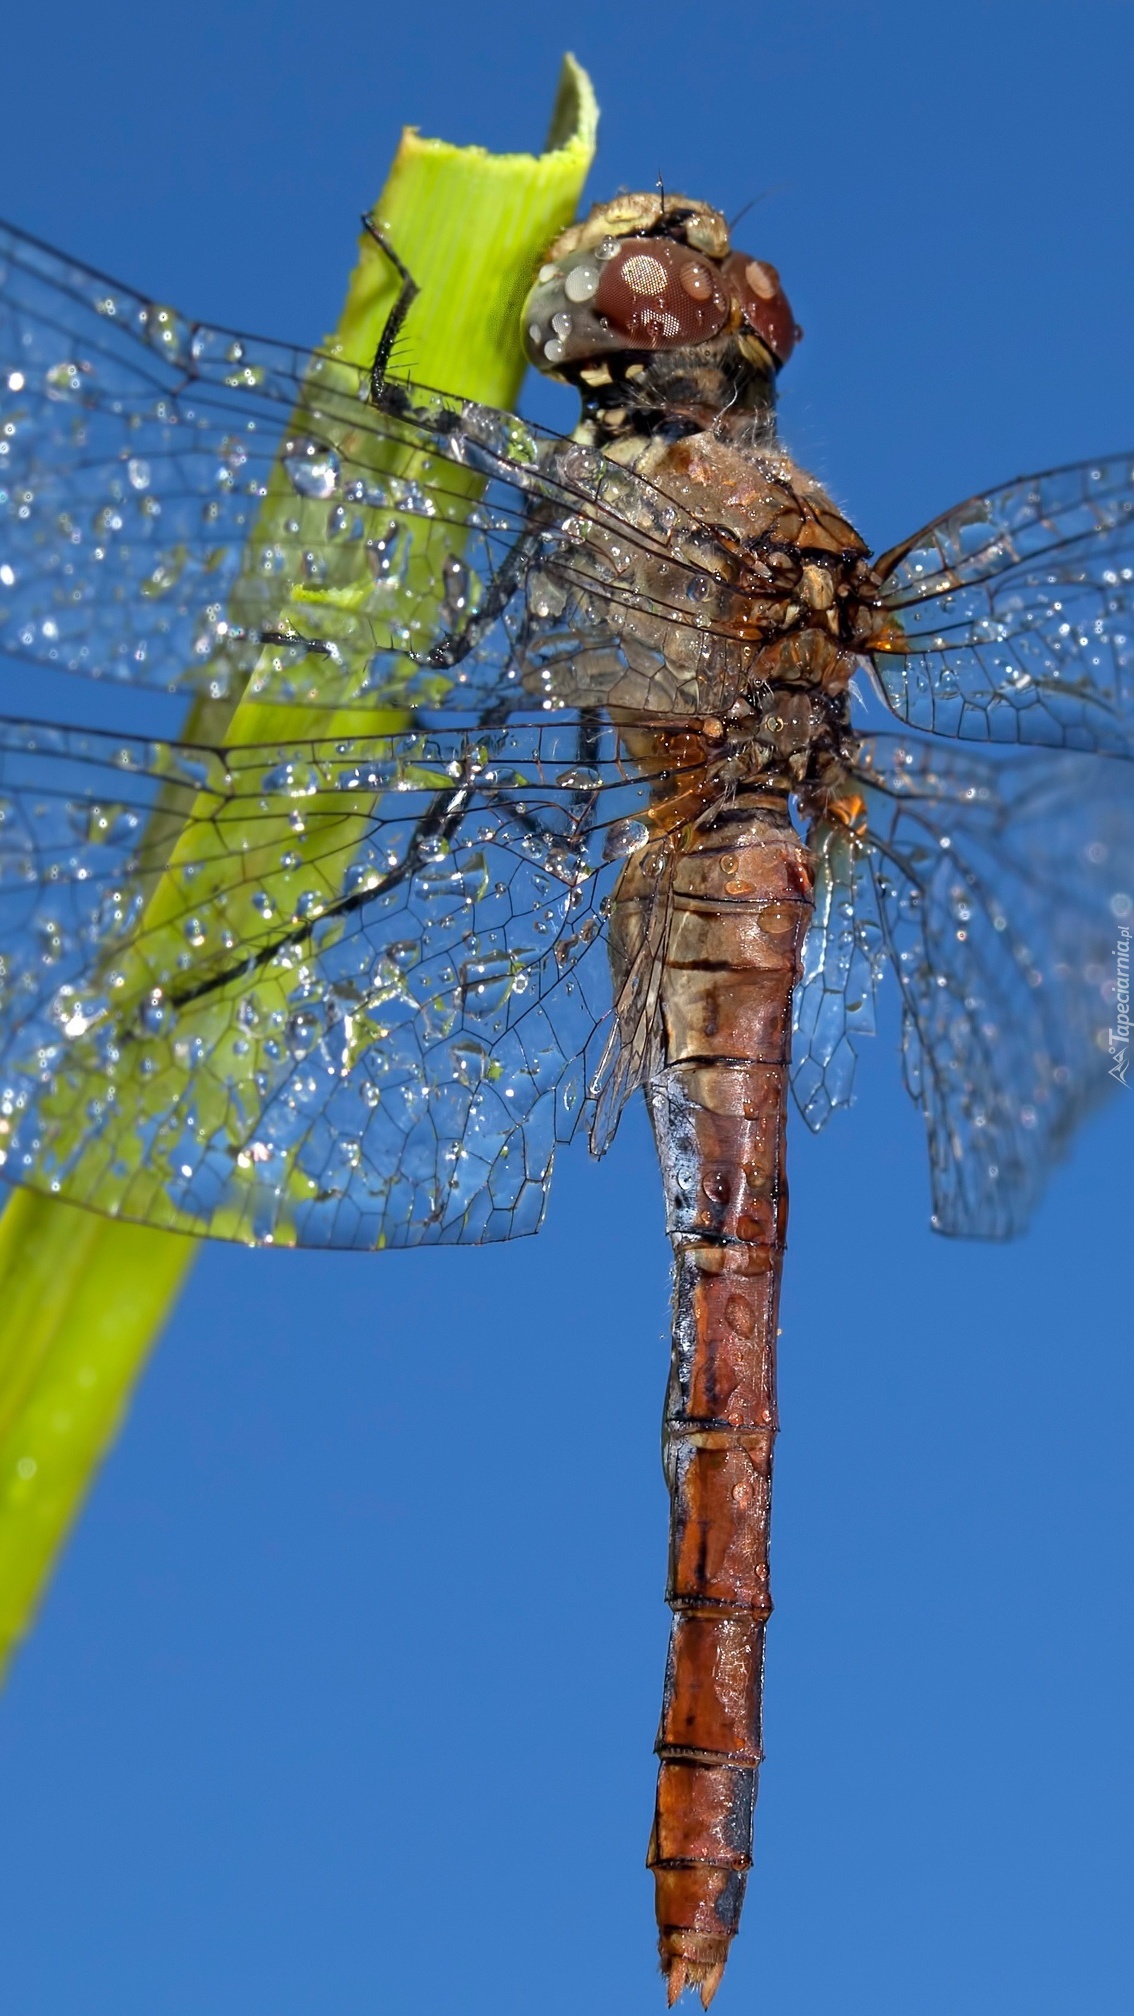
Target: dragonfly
x,y
520,773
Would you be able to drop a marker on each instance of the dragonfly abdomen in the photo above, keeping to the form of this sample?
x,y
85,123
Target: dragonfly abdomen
x,y
741,902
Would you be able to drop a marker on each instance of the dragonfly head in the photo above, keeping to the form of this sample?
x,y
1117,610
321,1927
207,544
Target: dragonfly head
x,y
646,291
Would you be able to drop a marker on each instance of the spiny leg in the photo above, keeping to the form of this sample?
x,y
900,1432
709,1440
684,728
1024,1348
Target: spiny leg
x,y
392,327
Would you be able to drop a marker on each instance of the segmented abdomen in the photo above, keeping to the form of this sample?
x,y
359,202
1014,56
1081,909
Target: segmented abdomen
x,y
741,902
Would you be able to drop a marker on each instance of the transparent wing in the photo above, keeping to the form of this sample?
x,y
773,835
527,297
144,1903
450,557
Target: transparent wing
x,y
327,993
195,510
1012,617
1004,890
844,959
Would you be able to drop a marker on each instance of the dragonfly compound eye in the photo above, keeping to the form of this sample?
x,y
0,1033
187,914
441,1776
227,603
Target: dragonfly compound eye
x,y
624,294
656,295
756,290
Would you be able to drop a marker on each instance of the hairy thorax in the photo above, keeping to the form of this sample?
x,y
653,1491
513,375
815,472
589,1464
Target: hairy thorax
x,y
741,634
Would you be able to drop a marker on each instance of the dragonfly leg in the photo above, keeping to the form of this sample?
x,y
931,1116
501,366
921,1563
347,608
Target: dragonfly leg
x,y
391,328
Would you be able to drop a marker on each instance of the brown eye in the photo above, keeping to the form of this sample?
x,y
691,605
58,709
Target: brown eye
x,y
762,280
755,287
696,280
656,295
644,274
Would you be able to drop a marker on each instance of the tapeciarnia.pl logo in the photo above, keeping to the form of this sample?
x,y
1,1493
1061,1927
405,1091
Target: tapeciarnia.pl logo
x,y
1119,1036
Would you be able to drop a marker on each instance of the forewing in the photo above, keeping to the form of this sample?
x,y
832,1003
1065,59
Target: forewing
x,y
1012,616
191,509
1003,888
354,1003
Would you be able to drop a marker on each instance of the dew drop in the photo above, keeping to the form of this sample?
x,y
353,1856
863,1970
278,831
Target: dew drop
x,y
625,837
312,469
581,282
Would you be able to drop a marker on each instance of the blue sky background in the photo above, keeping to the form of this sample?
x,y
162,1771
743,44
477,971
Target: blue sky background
x,y
278,1745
